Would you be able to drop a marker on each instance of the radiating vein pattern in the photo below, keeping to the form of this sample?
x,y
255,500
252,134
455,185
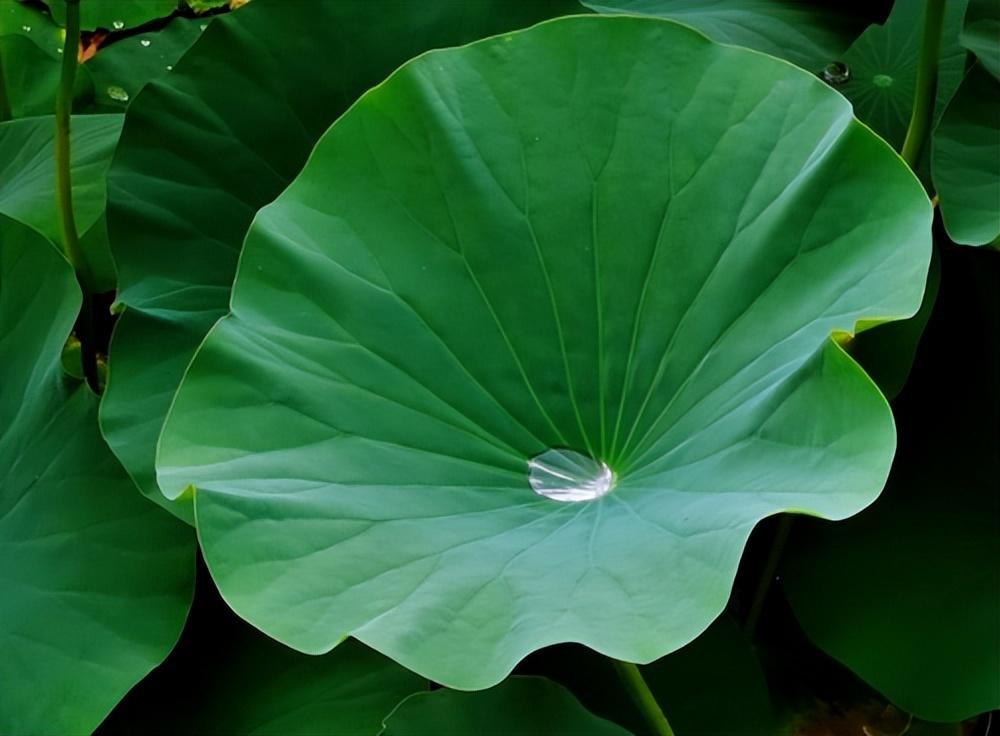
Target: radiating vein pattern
x,y
597,261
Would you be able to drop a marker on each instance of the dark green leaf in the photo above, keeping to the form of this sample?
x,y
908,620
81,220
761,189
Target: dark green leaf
x,y
806,33
526,706
906,593
96,580
966,161
114,15
981,34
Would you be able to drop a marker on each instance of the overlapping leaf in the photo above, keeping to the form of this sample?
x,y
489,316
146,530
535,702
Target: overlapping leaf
x,y
213,141
603,234
527,706
27,182
806,33
96,579
906,593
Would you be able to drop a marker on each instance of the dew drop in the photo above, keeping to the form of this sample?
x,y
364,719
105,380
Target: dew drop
x,y
568,476
835,73
118,24
170,67
203,26
882,80
26,29
58,50
117,94
145,42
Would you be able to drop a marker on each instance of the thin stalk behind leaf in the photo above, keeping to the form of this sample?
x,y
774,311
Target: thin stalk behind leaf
x,y
927,79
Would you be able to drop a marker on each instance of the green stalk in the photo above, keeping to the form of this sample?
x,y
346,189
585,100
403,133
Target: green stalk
x,y
64,192
927,81
643,698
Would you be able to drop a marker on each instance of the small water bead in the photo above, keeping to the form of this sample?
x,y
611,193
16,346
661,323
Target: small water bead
x,y
170,67
58,50
145,42
569,477
26,29
882,80
118,24
203,26
117,94
836,73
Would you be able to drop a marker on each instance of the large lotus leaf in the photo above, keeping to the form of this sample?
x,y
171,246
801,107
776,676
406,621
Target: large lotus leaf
x,y
527,706
966,160
27,180
197,160
96,580
114,15
906,593
981,33
606,234
806,33
883,67
121,69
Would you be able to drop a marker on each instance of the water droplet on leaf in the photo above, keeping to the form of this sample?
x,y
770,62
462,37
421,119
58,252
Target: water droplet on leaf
x,y
117,94
26,29
882,80
145,42
170,67
568,476
118,24
203,26
835,73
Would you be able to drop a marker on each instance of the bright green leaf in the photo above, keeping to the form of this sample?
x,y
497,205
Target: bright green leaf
x,y
114,15
883,67
26,20
966,160
606,234
200,155
27,180
906,593
96,580
809,35
526,706
981,34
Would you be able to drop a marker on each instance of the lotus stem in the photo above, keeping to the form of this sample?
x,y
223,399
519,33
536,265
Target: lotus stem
x,y
64,192
643,698
927,80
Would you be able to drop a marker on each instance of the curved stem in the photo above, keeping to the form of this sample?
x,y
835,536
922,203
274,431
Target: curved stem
x,y
64,192
927,79
643,698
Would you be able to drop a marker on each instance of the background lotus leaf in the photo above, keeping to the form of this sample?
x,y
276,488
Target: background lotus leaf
x,y
967,160
809,34
114,15
197,159
982,28
527,706
607,234
906,593
96,580
27,182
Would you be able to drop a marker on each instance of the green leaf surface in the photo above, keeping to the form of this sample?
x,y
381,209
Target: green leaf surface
x,y
34,24
199,157
966,160
27,180
121,69
906,593
114,15
981,34
29,79
883,67
96,580
606,234
808,34
527,706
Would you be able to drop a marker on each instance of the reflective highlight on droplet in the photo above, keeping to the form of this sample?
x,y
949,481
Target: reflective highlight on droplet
x,y
117,94
835,73
145,42
118,24
882,80
568,476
